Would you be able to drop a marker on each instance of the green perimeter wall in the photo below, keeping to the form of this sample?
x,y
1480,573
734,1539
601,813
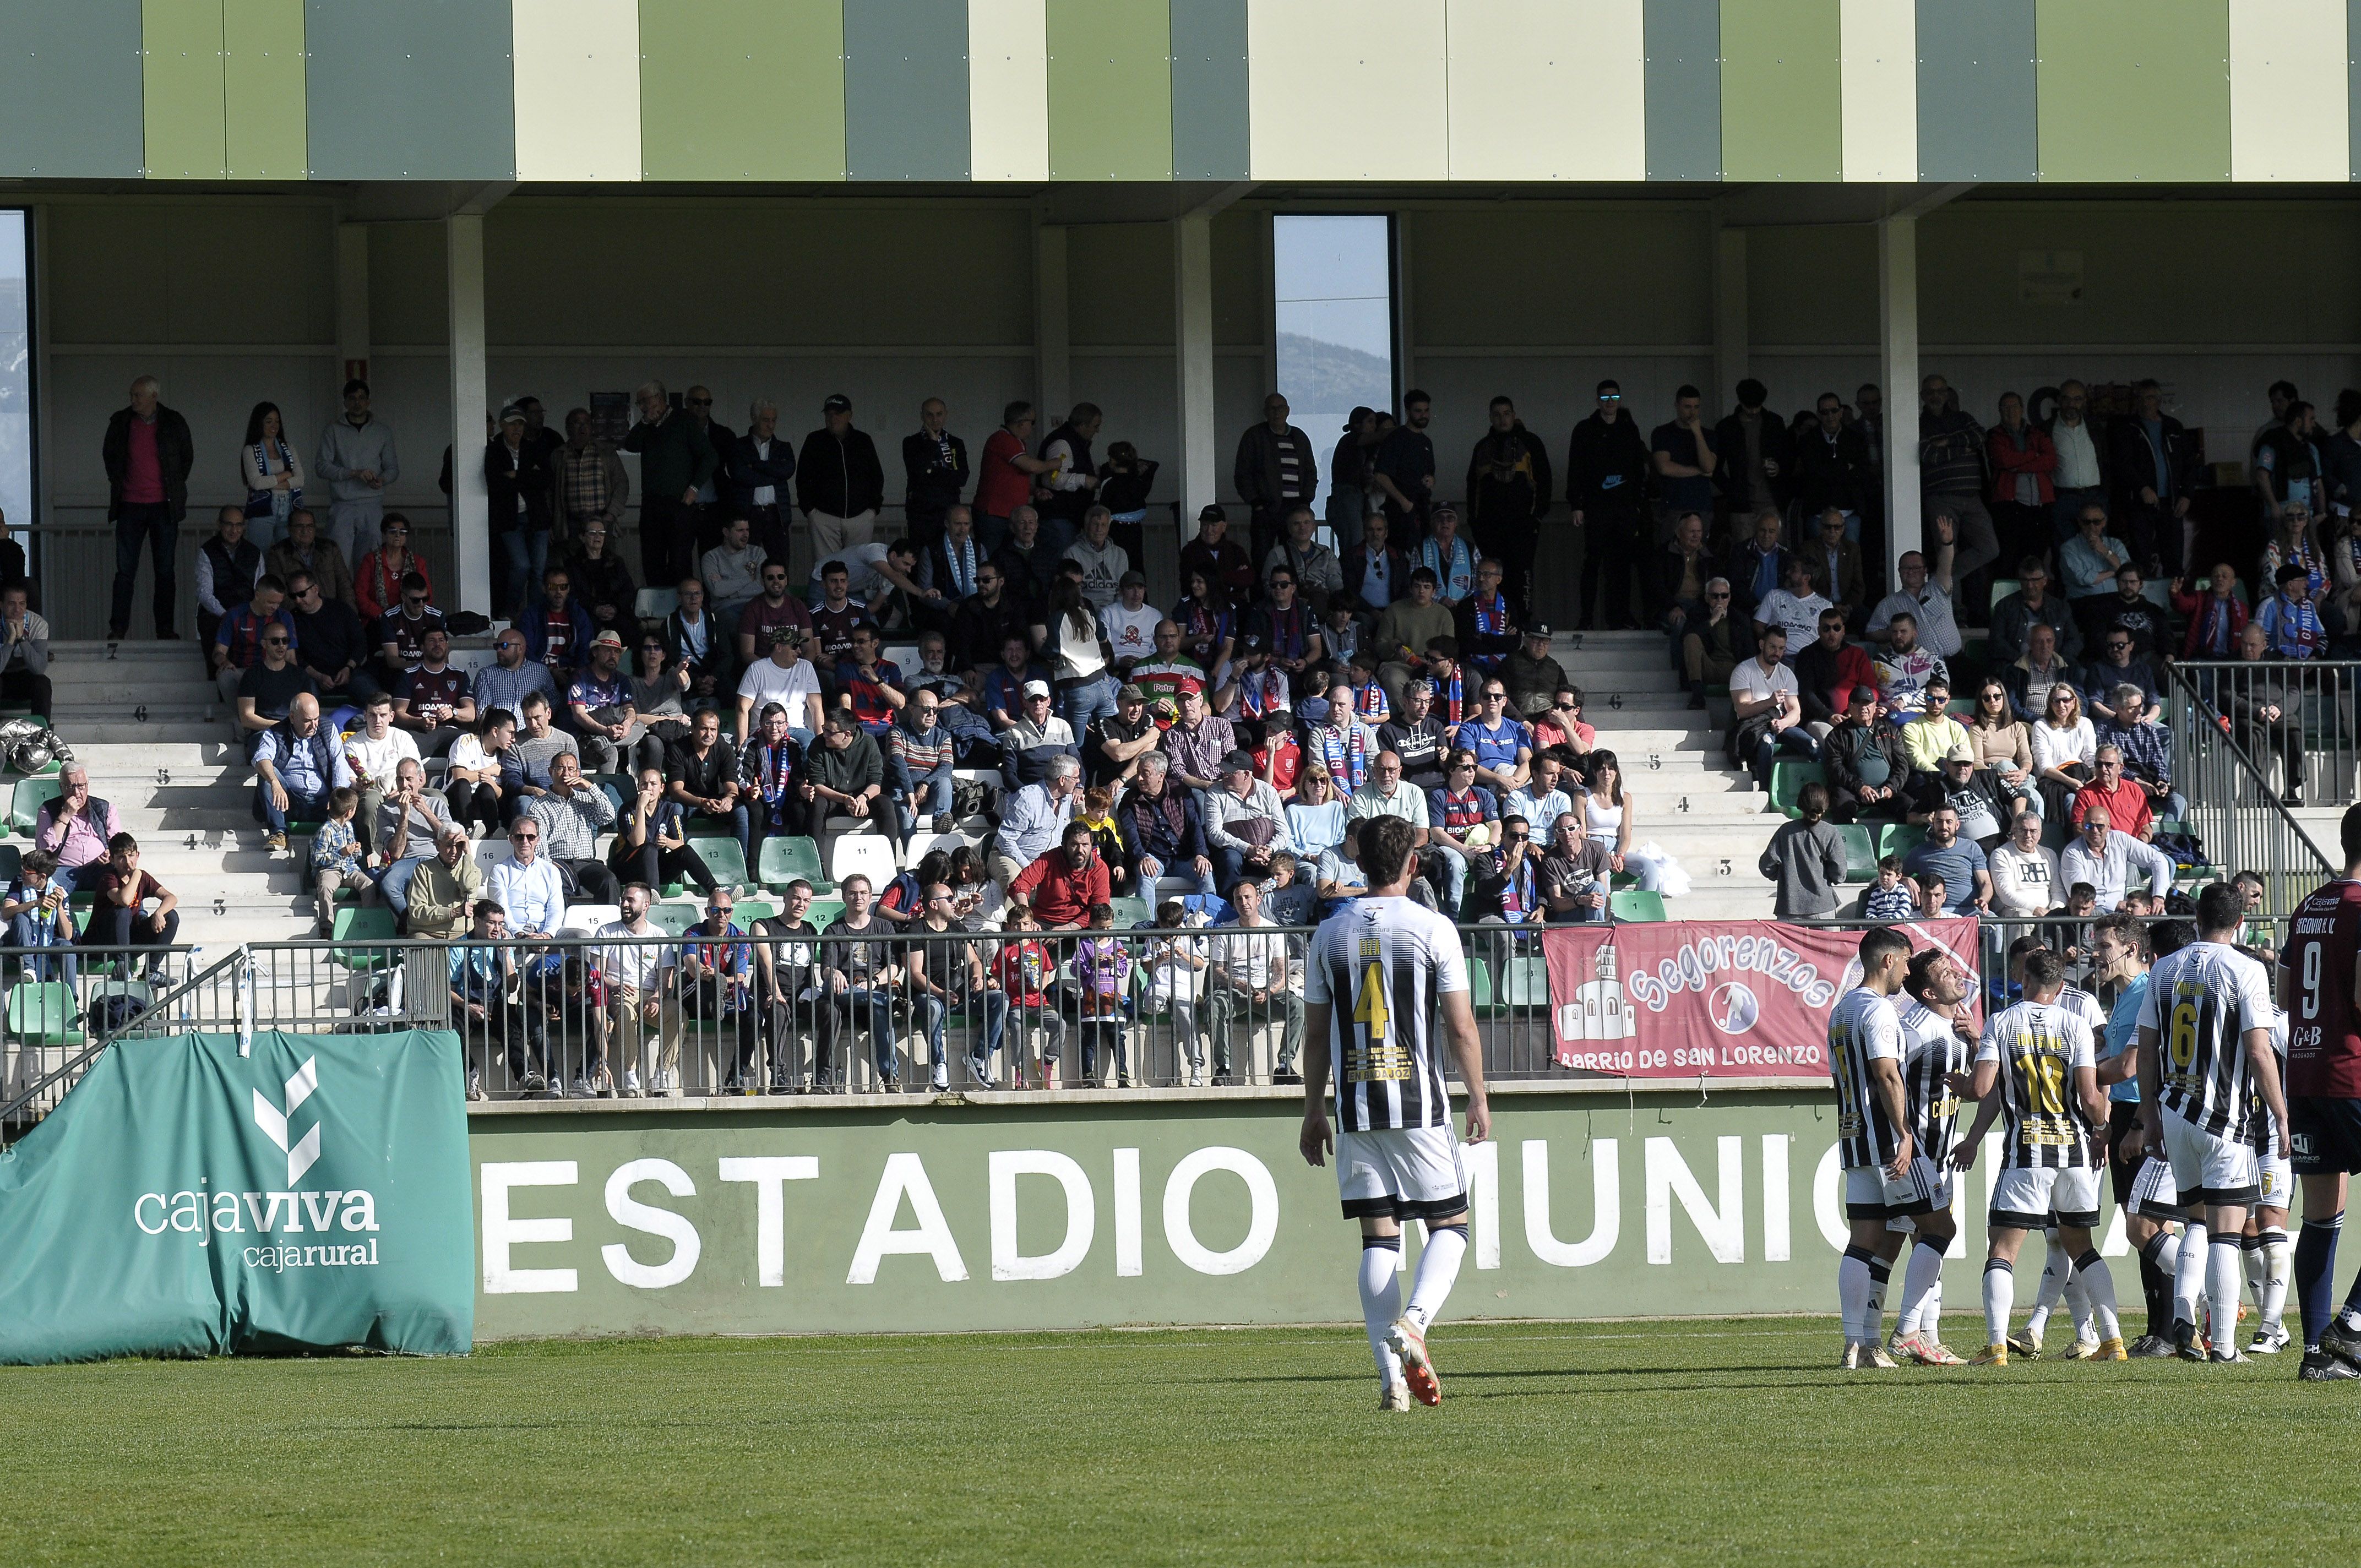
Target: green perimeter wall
x,y
1586,1206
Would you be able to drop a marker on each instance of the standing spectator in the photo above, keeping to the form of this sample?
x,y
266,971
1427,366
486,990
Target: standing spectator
x,y
676,461
2081,478
2154,471
934,470
378,580
731,571
1277,471
303,550
1834,471
602,582
1071,483
1607,465
148,453
1756,456
1404,470
121,918
274,478
523,502
592,487
1350,488
838,481
298,763
2268,711
723,439
1681,453
1951,478
1005,479
1124,480
1253,976
1510,490
228,566
755,472
357,458
2024,491
1805,860
1129,625
23,650
640,997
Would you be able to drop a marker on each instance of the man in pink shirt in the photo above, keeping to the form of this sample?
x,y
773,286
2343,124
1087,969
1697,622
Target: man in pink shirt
x,y
75,827
148,453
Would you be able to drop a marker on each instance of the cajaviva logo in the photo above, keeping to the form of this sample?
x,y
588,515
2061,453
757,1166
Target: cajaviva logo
x,y
273,1119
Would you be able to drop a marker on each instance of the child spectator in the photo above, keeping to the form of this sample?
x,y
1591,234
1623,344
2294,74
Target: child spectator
x,y
1888,899
336,860
1807,859
1024,968
1102,965
1174,961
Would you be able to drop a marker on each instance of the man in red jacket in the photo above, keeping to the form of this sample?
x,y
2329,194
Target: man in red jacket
x,y
1827,673
1060,887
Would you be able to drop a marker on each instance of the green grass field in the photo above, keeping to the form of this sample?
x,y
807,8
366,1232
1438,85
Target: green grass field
x,y
1610,1442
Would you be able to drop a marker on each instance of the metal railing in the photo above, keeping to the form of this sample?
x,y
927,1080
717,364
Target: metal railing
x,y
2232,726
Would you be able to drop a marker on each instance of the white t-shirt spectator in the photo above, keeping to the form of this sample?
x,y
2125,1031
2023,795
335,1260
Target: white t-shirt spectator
x,y
636,964
1130,632
2024,882
1250,957
766,683
1751,682
378,758
1800,616
2053,747
1939,628
860,562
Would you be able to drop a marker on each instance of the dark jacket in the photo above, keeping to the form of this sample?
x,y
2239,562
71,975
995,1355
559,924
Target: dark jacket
x,y
1950,454
746,471
1606,466
535,626
1148,827
1840,753
1356,568
522,473
2019,682
605,581
675,455
842,478
1833,473
849,771
1508,477
1662,577
2102,446
1069,505
978,629
930,485
175,454
1730,445
2013,622
1256,474
1746,564
2133,464
1820,674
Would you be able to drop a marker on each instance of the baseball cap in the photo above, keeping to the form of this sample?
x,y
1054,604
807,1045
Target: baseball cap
x,y
1212,513
785,631
1036,688
511,411
1252,642
838,404
1237,763
1132,694
1864,694
1540,630
1960,755
1133,580
606,640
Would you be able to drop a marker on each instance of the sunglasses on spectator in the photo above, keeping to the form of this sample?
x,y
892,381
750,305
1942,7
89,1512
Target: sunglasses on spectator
x,y
1717,595
1496,696
701,402
1462,767
274,642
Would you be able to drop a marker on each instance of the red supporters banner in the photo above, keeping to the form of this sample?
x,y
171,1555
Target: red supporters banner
x,y
1724,999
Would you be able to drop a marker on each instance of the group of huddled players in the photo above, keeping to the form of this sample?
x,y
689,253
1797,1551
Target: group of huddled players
x,y
2210,1090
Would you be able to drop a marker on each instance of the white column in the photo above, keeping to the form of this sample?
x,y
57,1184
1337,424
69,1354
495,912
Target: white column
x,y
352,303
1729,346
1897,377
471,538
1052,356
1193,358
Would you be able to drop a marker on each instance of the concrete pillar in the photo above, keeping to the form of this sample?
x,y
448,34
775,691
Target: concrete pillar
x,y
352,303
1052,356
1897,378
471,541
1729,346
1192,356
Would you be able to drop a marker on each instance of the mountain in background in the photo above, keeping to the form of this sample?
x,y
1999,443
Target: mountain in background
x,y
1317,374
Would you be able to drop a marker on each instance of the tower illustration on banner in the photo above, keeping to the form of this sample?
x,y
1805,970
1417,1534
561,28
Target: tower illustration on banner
x,y
1598,1011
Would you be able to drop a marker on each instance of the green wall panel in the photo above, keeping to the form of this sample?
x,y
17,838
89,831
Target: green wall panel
x,y
263,97
181,81
905,89
409,90
2134,92
1782,100
70,89
1976,90
743,89
1683,39
1212,129
1110,89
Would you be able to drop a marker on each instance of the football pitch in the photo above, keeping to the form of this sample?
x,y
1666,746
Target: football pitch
x,y
1687,1442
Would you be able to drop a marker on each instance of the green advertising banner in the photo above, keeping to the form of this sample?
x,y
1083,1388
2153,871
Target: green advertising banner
x,y
1076,1214
185,1200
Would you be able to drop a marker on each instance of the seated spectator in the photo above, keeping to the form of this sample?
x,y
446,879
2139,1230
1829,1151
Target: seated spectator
x,y
408,825
602,582
599,709
1212,552
921,756
652,844
2216,615
869,685
2065,752
1766,714
1375,571
1254,686
1115,743
2105,858
25,657
444,892
1316,816
2137,733
376,750
433,700
1794,607
1252,977
235,644
1577,873
1036,742
299,763
1245,823
1163,830
2032,677
1889,900
1129,626
1369,701
2118,665
1278,755
471,784
1868,766
2087,565
1337,743
1340,634
481,973
304,554
1714,642
505,683
1828,673
1560,726
1931,734
2266,710
381,577
2120,799
1835,562
1505,886
1929,900
2025,874
402,631
701,775
1312,565
845,770
75,826
556,629
1485,623
229,566
1104,563
1805,860
265,689
1463,817
1904,666
1545,797
768,787
1287,628
571,815
1759,566
1961,863
2290,621
1063,885
1502,745
1406,630
1417,737
1969,792
1452,559
786,679
121,918
2132,613
731,571
2032,605
37,912
331,643
528,888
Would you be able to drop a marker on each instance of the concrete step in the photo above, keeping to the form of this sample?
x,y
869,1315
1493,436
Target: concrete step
x,y
130,690
187,727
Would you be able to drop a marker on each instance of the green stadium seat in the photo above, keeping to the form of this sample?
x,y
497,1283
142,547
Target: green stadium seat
x,y
1638,904
11,861
42,1013
786,859
1130,912
1480,981
1898,838
1524,982
1861,852
750,910
31,794
724,858
2001,588
825,912
360,924
1788,777
673,919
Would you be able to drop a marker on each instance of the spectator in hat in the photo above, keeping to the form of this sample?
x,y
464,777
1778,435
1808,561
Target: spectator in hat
x,y
838,481
1868,766
1213,552
1035,738
1534,678
599,701
1348,478
1115,743
1245,823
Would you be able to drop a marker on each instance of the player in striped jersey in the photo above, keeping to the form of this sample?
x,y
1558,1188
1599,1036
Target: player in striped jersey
x,y
1401,970
1872,1135
2319,984
2265,1244
2057,1262
1938,1042
2206,1055
2038,1067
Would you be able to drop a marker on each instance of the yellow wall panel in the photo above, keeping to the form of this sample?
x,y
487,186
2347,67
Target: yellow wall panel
x,y
1349,89
1569,101
577,89
1880,89
2288,105
1008,89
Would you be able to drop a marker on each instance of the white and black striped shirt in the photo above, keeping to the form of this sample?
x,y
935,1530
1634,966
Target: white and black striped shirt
x,y
1932,1050
1863,1029
2038,1045
2201,1002
1381,965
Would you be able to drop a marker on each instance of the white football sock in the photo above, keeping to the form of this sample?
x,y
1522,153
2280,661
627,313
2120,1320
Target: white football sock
x,y
1921,1276
2078,1301
2278,1264
2250,1252
1853,1292
2092,1276
2222,1271
1931,1314
2055,1273
1381,1301
1438,1266
2189,1273
2000,1295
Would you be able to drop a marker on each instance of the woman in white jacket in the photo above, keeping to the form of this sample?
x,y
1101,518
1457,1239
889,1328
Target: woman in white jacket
x,y
2025,874
273,474
2065,751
